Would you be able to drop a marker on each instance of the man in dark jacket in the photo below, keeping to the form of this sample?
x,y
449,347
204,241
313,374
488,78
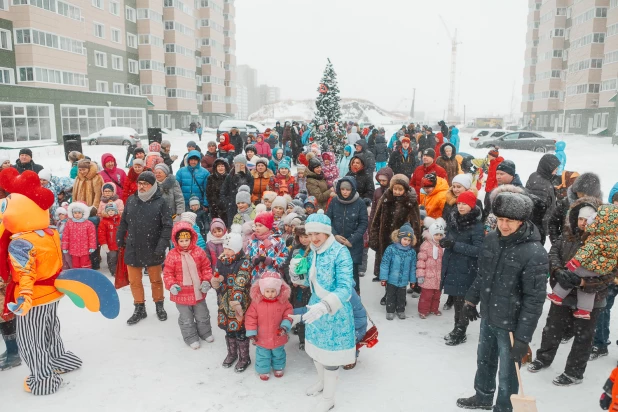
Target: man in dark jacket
x,y
368,159
364,185
236,141
510,286
348,213
25,162
147,224
168,159
403,160
540,184
587,184
427,140
444,129
505,175
279,130
560,318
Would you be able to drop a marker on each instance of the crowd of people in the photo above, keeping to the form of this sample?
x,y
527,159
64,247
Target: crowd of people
x,y
279,227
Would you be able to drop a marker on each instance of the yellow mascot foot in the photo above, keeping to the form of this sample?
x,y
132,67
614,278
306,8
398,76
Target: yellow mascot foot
x,y
26,387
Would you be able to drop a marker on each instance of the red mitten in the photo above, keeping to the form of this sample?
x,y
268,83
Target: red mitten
x,y
282,332
383,282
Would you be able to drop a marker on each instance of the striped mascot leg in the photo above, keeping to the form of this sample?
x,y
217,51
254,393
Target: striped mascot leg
x,y
41,348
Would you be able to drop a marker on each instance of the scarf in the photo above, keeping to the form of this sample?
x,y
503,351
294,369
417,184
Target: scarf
x,y
112,198
228,260
146,196
189,273
216,240
263,238
348,201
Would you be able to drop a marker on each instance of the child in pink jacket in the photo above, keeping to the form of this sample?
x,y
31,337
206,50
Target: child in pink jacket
x,y
429,267
79,238
187,274
268,321
330,170
109,195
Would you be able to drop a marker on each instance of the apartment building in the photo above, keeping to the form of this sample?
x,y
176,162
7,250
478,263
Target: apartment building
x,y
76,66
570,73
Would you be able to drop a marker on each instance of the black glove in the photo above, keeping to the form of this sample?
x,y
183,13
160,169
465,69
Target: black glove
x,y
519,350
567,279
367,202
258,260
447,243
470,312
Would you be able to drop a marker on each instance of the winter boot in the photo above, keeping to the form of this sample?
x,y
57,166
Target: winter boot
x,y
138,314
390,316
232,352
598,352
449,303
536,366
473,403
278,373
566,380
319,385
449,335
243,356
328,394
161,313
457,338
401,315
11,357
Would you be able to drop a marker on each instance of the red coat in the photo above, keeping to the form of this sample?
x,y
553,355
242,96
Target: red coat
x,y
421,171
282,186
172,271
130,186
439,142
107,231
264,317
492,182
114,175
79,237
226,145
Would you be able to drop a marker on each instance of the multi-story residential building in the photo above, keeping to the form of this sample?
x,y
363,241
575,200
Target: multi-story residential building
x,y
76,66
247,77
570,74
269,94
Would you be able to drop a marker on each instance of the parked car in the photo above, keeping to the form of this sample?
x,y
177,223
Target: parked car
x,y
113,135
480,135
521,141
243,126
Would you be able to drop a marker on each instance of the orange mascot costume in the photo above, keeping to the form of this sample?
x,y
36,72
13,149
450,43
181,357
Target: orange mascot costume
x,y
34,263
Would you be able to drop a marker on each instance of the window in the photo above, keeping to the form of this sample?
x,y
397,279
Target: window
x,y
99,30
131,40
133,66
114,8
6,76
133,90
181,94
41,74
561,11
604,119
117,62
598,38
102,86
596,63
613,4
178,5
100,59
177,48
150,39
151,65
26,74
149,14
25,122
4,5
557,53
5,40
152,89
27,36
115,34
608,85
129,14
180,71
98,4
557,33
593,88
118,88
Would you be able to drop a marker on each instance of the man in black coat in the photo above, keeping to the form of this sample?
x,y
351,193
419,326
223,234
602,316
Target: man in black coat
x,y
279,130
147,224
511,287
444,129
236,141
540,184
369,160
403,160
25,162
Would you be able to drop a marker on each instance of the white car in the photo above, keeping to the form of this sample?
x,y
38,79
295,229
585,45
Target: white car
x,y
481,135
125,136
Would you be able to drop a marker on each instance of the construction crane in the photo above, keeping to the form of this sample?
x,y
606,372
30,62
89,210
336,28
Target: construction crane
x,y
451,93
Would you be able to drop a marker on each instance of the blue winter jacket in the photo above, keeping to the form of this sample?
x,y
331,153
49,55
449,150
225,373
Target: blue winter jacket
x,y
305,139
391,143
454,139
560,146
193,180
398,266
612,193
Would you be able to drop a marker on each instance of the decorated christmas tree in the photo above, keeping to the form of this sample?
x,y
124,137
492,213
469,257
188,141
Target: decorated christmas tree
x,y
327,116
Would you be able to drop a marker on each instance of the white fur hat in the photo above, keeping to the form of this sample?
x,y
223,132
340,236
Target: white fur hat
x,y
189,217
233,240
45,174
280,202
463,179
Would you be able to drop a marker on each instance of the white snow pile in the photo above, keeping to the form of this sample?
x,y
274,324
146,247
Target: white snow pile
x,y
351,109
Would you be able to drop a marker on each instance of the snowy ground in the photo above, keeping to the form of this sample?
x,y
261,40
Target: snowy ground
x,y
148,367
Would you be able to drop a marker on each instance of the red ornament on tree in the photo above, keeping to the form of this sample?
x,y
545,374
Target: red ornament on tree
x,y
323,88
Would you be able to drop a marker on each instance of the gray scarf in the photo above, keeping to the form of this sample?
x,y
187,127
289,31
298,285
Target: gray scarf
x,y
348,201
146,196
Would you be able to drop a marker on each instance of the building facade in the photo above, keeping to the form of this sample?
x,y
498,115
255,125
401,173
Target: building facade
x,y
571,70
89,64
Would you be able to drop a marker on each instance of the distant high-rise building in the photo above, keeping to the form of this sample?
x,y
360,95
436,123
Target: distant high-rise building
x,y
242,101
269,94
570,66
248,77
76,66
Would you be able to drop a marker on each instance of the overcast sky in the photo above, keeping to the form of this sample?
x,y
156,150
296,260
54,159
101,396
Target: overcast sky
x,y
382,49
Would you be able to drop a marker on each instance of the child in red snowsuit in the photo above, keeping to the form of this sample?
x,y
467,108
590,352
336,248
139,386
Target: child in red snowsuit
x,y
107,235
79,239
268,322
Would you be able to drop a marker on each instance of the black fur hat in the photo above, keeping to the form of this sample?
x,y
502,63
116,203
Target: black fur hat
x,y
588,183
511,205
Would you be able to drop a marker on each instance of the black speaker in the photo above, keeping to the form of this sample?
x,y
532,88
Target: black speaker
x,y
154,135
72,142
